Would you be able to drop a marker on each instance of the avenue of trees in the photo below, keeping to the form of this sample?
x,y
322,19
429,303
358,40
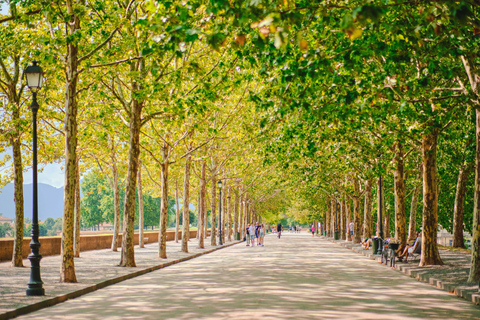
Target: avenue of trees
x,y
301,107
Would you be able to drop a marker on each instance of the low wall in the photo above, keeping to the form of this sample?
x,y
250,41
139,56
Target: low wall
x,y
51,245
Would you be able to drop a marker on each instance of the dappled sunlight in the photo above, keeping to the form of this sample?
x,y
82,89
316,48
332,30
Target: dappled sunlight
x,y
295,277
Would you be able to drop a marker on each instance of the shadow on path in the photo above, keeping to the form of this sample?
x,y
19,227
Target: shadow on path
x,y
296,277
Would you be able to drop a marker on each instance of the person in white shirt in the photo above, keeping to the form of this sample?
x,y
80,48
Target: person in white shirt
x,y
251,230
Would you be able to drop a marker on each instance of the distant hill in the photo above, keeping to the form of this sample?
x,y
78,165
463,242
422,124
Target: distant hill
x,y
50,201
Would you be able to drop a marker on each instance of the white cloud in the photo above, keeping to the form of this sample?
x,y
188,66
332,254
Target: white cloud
x,y
51,174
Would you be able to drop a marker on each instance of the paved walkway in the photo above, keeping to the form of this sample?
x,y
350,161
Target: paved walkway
x,y
296,277
94,270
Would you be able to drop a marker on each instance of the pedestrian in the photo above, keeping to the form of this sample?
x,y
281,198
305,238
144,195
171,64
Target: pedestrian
x,y
262,234
350,226
313,230
279,230
257,233
247,235
251,230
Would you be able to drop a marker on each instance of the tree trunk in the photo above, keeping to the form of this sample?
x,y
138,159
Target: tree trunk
x,y
474,275
332,217
177,213
430,255
116,207
385,214
77,213
213,213
342,220
348,219
128,255
399,189
328,216
202,207
140,206
67,271
464,172
357,217
242,225
186,202
162,232
368,228
412,224
235,214
224,212
229,215
205,214
17,257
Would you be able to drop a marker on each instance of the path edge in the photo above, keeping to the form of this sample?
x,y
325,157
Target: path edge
x,y
408,270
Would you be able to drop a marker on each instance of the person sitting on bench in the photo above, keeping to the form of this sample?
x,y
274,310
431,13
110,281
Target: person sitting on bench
x,y
416,247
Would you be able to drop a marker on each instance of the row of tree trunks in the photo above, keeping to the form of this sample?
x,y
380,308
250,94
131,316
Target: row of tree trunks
x,y
399,190
186,201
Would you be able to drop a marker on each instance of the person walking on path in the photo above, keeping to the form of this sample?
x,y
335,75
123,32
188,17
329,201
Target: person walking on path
x,y
279,229
262,234
257,233
247,234
313,230
252,235
350,226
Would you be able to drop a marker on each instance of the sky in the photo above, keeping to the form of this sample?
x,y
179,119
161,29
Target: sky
x,y
3,8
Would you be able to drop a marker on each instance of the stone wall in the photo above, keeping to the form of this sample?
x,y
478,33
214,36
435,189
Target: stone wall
x,y
51,245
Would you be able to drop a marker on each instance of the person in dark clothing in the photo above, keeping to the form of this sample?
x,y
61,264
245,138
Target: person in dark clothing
x,y
279,230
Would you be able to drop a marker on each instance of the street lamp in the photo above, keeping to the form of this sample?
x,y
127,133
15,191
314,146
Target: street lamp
x,y
220,241
335,234
34,76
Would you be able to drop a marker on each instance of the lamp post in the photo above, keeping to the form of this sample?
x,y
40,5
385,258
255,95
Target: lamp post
x,y
220,241
335,234
34,75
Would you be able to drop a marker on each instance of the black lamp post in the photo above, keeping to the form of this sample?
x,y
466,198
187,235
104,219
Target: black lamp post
x,y
34,75
220,240
335,234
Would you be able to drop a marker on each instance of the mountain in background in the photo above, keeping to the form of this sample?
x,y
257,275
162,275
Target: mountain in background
x,y
50,201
